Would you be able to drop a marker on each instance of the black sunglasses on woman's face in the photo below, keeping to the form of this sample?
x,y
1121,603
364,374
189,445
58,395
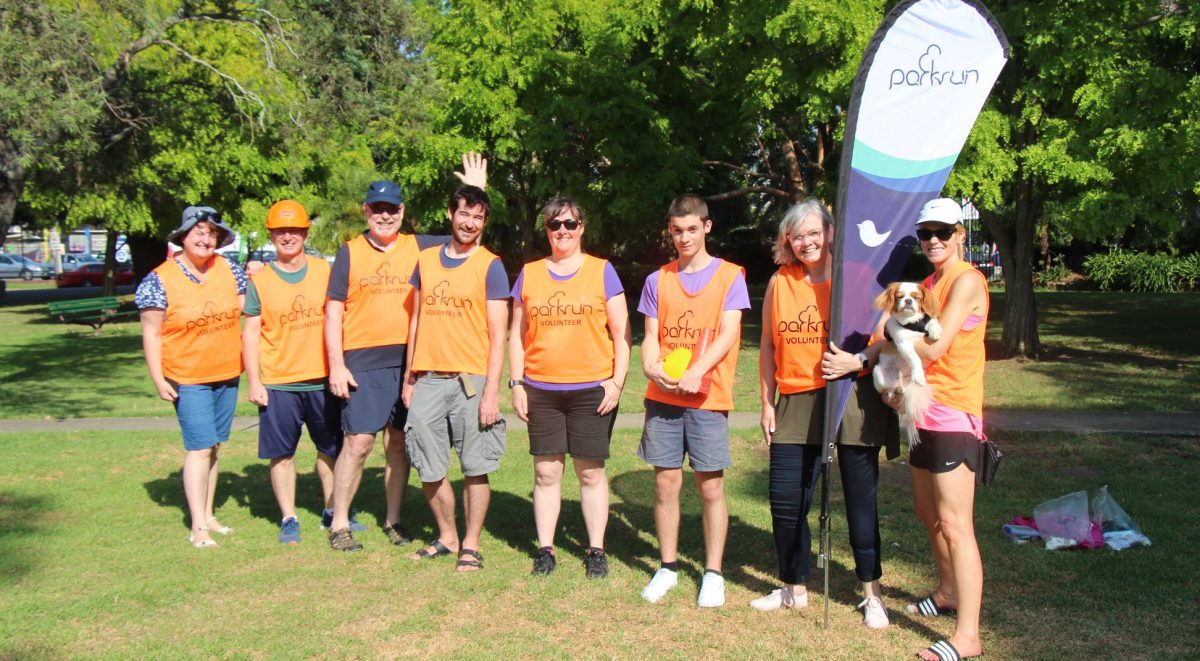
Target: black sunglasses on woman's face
x,y
942,233
570,224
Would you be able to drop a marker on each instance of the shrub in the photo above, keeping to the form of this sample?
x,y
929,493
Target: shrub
x,y
1057,275
1142,272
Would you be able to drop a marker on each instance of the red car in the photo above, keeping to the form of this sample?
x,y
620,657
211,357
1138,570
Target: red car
x,y
91,275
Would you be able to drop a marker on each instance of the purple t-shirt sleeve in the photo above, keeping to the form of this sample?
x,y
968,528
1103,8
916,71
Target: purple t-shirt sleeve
x,y
497,281
612,282
339,275
738,297
518,285
648,306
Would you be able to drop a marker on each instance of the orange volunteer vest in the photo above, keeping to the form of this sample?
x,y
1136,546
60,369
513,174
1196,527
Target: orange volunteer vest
x,y
452,323
957,377
379,296
682,317
292,348
567,339
799,311
201,337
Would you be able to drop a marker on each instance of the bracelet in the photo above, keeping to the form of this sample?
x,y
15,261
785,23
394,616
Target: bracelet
x,y
620,386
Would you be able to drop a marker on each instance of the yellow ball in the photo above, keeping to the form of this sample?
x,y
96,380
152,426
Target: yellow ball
x,y
677,362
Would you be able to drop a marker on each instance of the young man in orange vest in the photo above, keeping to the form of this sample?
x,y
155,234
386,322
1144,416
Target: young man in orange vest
x,y
452,386
368,306
284,353
696,303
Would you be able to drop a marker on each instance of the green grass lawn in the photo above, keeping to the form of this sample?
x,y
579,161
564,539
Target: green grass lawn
x,y
93,563
1104,351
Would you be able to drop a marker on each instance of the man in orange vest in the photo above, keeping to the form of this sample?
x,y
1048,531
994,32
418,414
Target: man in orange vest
x,y
452,386
694,303
284,353
368,305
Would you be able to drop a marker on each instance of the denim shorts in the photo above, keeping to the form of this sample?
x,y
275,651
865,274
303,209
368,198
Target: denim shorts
x,y
670,431
444,417
205,412
281,422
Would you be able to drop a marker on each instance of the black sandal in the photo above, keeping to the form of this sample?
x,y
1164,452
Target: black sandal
x,y
469,565
439,549
929,608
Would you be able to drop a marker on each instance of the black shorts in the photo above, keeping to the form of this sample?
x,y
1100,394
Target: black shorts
x,y
566,422
375,403
943,451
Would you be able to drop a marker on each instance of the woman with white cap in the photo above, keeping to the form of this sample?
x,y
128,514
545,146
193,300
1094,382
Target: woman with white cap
x,y
190,308
945,461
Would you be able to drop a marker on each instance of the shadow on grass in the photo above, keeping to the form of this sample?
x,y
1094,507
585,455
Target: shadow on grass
x,y
19,517
29,384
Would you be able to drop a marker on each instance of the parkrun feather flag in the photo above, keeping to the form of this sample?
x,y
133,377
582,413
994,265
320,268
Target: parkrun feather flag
x,y
921,84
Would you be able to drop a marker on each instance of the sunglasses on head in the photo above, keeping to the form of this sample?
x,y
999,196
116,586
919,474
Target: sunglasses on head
x,y
570,224
212,216
942,233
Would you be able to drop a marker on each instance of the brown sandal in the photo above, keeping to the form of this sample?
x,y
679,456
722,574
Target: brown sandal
x,y
469,565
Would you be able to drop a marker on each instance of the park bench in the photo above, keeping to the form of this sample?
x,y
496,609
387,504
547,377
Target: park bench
x,y
94,312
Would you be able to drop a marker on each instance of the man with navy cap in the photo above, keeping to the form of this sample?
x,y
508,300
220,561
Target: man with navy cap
x,y
368,305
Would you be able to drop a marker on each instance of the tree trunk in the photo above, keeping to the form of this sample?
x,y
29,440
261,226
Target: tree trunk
x,y
1014,237
147,252
12,182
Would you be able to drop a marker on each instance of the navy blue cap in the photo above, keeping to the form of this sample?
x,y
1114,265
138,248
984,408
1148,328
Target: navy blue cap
x,y
385,191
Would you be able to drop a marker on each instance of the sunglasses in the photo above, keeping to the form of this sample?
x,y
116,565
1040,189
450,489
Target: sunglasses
x,y
571,224
211,216
943,234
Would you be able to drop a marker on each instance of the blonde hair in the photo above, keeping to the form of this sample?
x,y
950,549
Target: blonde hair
x,y
782,250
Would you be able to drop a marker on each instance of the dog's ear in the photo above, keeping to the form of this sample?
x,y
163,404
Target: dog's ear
x,y
887,299
929,304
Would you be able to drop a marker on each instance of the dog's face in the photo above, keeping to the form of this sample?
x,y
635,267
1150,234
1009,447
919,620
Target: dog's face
x,y
906,301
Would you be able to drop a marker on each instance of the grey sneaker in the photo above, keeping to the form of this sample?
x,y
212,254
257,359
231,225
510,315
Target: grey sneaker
x,y
596,563
342,540
544,562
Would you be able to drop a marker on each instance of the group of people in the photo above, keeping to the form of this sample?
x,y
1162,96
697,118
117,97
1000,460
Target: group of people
x,y
406,334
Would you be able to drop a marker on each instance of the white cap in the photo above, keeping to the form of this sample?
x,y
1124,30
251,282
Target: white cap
x,y
942,210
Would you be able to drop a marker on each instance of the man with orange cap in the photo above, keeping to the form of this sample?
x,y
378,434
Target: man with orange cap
x,y
284,355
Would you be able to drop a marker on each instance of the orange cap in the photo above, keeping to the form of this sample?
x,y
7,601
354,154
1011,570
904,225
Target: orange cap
x,y
287,213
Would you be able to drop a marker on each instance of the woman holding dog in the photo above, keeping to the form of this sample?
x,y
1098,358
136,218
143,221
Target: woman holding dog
x,y
795,331
945,461
190,306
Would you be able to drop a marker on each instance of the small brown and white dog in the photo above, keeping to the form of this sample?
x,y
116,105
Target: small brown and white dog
x,y
899,373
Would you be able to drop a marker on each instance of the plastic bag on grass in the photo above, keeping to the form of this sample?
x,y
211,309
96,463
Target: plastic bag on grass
x,y
1118,528
1065,519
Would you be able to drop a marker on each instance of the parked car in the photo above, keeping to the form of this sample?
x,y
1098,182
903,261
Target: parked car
x,y
92,275
37,269
73,260
16,266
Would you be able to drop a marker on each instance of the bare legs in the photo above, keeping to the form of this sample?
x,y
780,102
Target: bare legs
x,y
711,486
283,482
945,504
547,497
395,473
477,496
199,488
347,475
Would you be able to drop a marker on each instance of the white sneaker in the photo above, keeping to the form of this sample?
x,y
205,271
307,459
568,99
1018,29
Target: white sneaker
x,y
712,591
784,597
874,614
664,579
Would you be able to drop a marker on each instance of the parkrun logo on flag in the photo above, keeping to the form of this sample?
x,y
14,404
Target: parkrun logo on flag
x,y
443,304
927,73
554,308
212,320
383,278
302,312
808,324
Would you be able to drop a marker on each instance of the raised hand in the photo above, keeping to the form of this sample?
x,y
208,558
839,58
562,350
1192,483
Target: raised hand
x,y
474,170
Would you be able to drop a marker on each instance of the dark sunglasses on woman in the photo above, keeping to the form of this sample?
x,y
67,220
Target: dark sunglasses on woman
x,y
570,224
942,233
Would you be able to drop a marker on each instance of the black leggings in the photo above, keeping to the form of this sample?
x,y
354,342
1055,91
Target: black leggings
x,y
795,470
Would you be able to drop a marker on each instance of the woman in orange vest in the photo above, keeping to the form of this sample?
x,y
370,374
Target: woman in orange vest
x,y
190,310
568,357
945,460
795,333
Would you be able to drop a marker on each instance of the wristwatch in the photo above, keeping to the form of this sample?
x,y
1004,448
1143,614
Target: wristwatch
x,y
513,383
865,362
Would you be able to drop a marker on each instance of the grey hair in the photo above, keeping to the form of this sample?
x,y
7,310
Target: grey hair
x,y
782,250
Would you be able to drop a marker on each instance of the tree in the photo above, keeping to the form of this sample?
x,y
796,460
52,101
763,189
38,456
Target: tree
x,y
1092,126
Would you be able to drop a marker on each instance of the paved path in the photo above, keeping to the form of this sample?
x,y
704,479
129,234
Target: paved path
x,y
1167,424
